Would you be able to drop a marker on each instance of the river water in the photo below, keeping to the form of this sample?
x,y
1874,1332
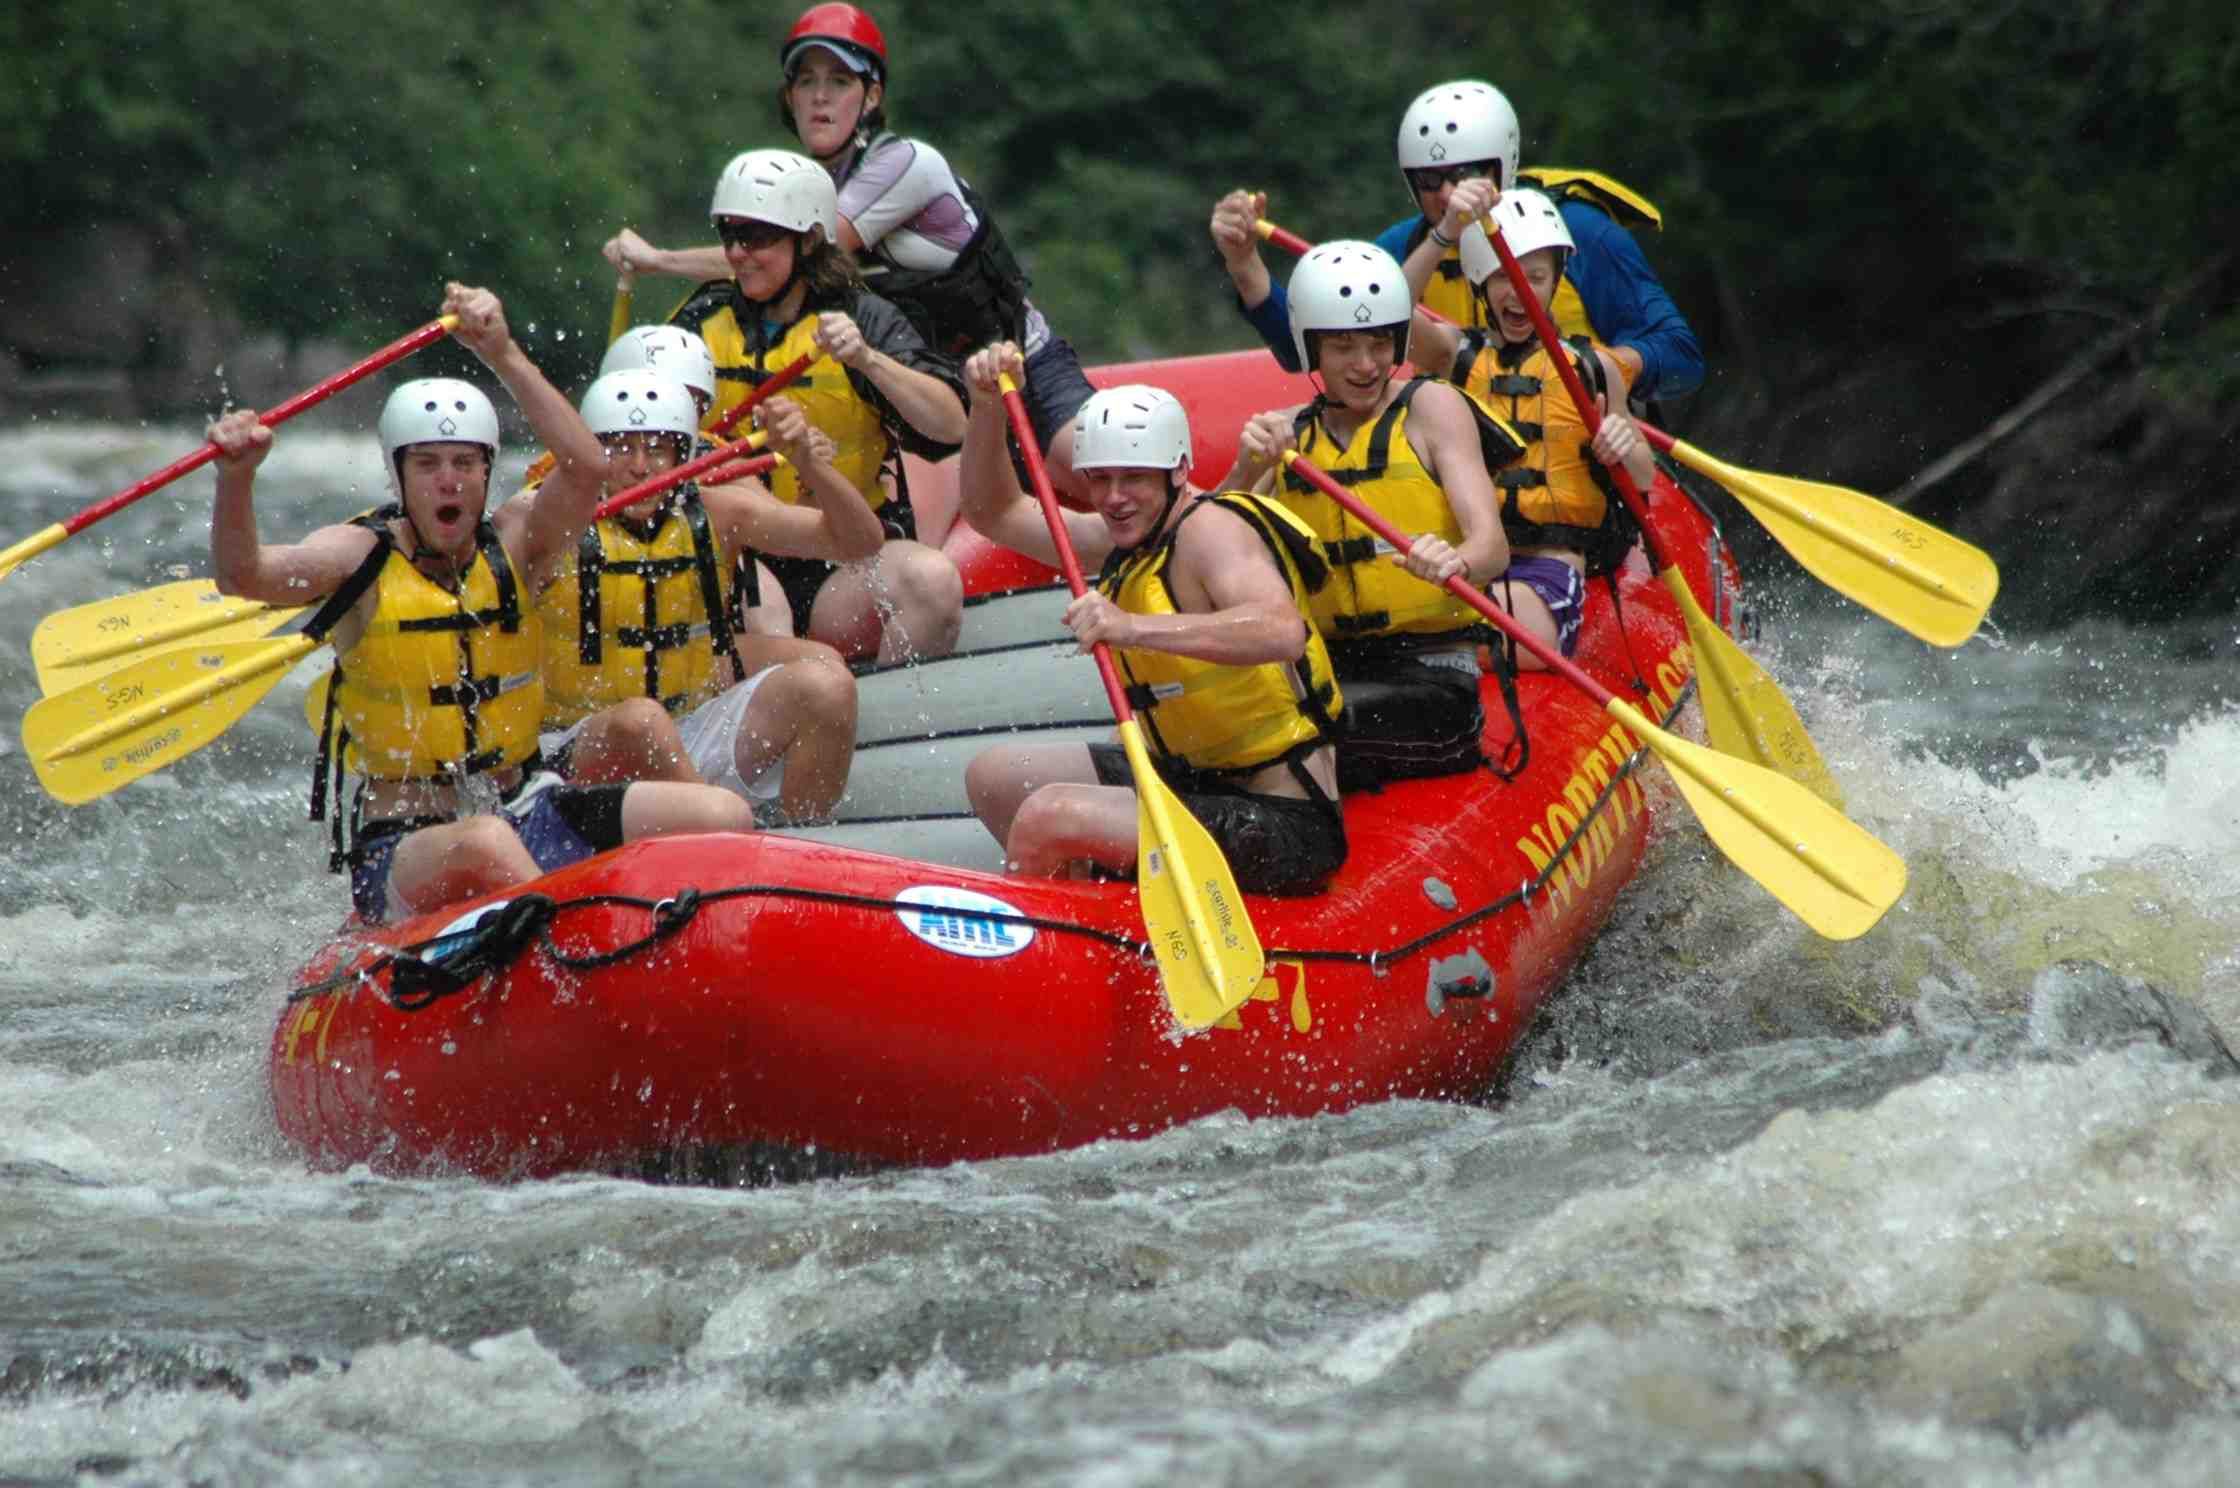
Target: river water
x,y
1958,1202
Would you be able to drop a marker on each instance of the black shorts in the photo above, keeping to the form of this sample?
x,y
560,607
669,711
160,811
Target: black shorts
x,y
1405,718
1275,844
1056,388
801,578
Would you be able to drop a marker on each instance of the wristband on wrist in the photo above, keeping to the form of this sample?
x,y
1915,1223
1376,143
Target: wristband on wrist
x,y
1441,238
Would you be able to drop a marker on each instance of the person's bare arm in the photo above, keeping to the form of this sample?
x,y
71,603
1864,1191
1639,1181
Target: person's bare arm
x,y
634,255
1236,238
270,573
539,532
1444,436
1237,605
988,489
920,400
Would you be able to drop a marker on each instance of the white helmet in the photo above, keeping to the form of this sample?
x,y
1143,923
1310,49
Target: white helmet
x,y
437,410
640,402
672,351
1528,222
780,187
1344,285
1136,427
1457,123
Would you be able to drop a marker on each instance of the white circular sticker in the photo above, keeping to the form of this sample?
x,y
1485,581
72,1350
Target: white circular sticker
x,y
952,920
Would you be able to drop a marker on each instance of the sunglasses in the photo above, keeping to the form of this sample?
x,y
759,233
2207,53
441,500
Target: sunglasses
x,y
1426,179
750,235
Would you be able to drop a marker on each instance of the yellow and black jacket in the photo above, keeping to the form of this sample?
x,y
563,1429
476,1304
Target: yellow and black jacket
x,y
639,613
847,406
1558,495
1217,718
1368,593
441,683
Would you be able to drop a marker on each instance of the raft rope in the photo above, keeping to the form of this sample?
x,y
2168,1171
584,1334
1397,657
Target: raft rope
x,y
425,972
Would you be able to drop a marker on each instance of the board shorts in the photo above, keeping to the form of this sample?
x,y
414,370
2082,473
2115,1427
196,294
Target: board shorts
x,y
1274,844
801,578
558,823
1410,713
1560,587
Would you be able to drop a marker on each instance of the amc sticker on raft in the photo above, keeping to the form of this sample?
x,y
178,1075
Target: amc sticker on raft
x,y
951,919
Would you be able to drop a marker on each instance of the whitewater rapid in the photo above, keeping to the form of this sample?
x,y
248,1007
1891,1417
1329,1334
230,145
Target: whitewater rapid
x,y
1954,1203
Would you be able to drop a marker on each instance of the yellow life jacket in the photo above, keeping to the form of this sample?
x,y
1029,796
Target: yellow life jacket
x,y
1448,293
1214,717
826,393
1368,593
1557,495
439,684
634,615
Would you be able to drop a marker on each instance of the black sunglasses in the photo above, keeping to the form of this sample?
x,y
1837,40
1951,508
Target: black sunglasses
x,y
750,235
1429,178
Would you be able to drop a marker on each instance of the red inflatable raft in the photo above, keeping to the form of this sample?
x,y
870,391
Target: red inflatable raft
x,y
880,991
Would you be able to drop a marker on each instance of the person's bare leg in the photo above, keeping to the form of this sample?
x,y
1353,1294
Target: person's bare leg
x,y
636,740
905,604
803,713
441,865
998,780
658,808
1060,825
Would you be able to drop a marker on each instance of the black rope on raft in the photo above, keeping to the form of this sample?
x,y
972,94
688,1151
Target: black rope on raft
x,y
425,972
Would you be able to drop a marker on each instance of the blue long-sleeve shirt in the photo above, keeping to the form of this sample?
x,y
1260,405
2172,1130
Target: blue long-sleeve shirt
x,y
1624,300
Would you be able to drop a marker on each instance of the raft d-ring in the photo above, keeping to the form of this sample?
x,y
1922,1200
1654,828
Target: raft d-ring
x,y
674,913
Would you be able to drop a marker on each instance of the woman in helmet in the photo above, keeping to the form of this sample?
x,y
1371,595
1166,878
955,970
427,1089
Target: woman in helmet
x,y
638,621
437,692
1200,597
1417,450
1458,147
874,390
1560,510
924,237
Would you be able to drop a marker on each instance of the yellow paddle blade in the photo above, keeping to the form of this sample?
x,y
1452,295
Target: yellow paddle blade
x,y
1209,954
1832,873
88,741
73,646
1745,712
1917,576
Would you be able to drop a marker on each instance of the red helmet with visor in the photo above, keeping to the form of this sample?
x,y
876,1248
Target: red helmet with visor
x,y
842,30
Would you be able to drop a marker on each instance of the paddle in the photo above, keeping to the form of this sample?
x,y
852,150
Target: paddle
x,y
71,646
1828,870
1917,576
102,734
1193,914
395,351
777,381
1745,713
618,319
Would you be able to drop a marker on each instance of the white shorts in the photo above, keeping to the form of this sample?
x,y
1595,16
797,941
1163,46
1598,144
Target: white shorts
x,y
711,741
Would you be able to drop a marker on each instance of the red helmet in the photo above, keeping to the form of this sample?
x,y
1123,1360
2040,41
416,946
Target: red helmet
x,y
844,31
